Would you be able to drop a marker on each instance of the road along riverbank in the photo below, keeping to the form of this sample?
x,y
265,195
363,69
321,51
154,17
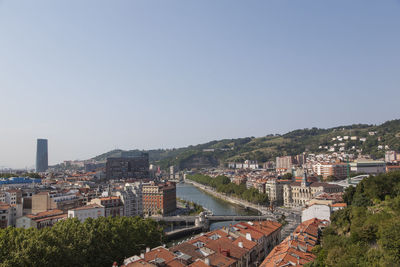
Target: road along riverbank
x,y
292,216
231,199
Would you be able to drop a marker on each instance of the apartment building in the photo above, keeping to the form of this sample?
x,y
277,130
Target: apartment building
x,y
159,198
42,219
337,170
6,214
274,190
131,197
113,205
285,162
44,201
93,211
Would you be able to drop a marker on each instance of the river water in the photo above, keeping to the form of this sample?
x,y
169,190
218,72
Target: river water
x,y
217,206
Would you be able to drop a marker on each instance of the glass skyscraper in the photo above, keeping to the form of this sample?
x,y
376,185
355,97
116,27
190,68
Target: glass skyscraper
x,y
41,156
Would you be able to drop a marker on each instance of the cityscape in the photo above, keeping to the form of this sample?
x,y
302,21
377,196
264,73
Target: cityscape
x,y
200,133
280,207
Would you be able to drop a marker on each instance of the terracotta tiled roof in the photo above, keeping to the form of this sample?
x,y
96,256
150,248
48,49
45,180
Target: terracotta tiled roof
x,y
255,234
139,263
4,206
296,248
220,260
247,244
187,249
108,198
91,206
46,213
175,263
226,244
199,263
51,218
266,227
339,205
159,252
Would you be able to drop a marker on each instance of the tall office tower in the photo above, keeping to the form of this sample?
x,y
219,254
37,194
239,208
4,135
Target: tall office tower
x,y
42,163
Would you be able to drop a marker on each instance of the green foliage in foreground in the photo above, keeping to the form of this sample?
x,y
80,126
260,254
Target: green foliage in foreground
x,y
366,233
96,242
223,185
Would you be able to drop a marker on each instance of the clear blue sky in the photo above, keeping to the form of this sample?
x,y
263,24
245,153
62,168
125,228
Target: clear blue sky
x,y
96,75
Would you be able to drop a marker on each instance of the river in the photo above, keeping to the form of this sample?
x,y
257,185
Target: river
x,y
217,206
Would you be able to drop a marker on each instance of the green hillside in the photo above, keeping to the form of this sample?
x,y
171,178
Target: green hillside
x,y
268,147
367,232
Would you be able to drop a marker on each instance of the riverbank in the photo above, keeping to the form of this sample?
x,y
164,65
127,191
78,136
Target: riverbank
x,y
292,216
231,199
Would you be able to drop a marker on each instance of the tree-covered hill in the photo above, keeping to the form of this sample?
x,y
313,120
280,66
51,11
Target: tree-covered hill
x,y
367,232
268,147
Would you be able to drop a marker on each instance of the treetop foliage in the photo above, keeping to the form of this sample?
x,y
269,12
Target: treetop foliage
x,y
367,232
96,242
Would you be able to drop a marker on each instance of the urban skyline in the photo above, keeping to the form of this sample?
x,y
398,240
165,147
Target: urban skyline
x,y
205,133
91,155
177,73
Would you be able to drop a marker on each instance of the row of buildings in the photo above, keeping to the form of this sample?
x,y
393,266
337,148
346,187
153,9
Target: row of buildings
x,y
43,204
241,244
333,166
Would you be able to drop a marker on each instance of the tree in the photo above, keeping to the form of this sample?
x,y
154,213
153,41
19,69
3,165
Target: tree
x,y
96,242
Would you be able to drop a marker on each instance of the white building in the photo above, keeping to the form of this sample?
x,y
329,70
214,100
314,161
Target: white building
x,y
131,196
390,156
319,211
90,211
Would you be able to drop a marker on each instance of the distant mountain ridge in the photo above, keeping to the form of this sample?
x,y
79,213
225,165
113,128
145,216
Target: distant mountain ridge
x,y
268,147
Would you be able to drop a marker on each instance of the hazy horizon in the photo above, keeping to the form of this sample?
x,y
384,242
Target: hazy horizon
x,y
92,76
174,147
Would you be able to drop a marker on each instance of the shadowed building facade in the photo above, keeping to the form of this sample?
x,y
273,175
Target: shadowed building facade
x,y
131,167
42,162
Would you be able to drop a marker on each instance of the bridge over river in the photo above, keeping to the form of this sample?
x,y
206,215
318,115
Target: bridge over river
x,y
223,213
214,218
206,220
202,222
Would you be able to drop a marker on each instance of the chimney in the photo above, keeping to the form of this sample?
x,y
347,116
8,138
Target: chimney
x,y
147,249
207,261
240,244
248,236
142,255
